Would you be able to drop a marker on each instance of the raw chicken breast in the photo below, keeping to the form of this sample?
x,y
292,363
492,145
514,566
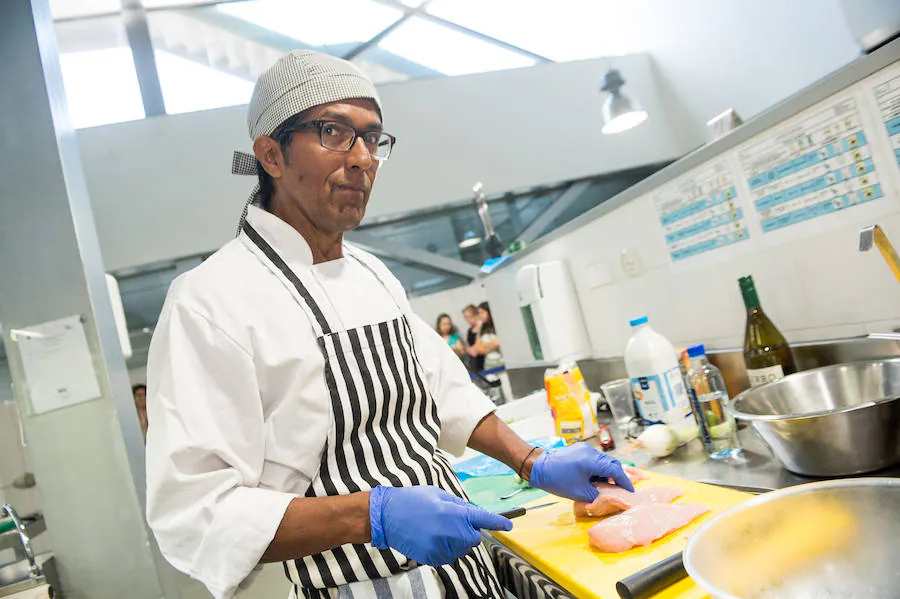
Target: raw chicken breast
x,y
633,474
643,524
616,499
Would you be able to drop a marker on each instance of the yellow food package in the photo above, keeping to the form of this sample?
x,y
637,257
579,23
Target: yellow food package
x,y
571,405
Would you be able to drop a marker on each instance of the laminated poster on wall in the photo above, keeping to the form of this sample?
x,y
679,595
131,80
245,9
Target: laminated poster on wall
x,y
58,367
701,211
884,88
816,163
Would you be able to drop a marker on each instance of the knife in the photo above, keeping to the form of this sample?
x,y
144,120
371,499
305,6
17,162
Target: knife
x,y
520,511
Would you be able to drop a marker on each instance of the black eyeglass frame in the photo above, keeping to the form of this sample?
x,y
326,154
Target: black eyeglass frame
x,y
357,134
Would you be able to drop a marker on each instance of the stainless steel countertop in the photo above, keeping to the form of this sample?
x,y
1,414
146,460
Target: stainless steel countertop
x,y
760,468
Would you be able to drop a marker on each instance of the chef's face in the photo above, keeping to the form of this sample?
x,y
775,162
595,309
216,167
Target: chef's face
x,y
331,188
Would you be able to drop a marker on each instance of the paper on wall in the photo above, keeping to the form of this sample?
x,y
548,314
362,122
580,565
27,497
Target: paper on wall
x,y
59,371
700,211
814,164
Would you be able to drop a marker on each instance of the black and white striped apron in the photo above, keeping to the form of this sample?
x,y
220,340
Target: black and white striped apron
x,y
384,431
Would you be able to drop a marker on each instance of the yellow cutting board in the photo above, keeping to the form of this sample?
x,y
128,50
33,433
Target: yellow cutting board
x,y
556,543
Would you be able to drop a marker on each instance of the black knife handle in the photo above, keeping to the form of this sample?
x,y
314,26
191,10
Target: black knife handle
x,y
513,513
652,579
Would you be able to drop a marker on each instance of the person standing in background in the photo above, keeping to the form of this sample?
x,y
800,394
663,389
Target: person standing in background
x,y
449,333
139,392
476,361
487,345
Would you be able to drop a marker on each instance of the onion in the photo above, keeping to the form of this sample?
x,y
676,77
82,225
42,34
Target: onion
x,y
658,440
686,433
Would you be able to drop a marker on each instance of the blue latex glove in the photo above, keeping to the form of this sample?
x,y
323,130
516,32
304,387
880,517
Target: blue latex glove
x,y
570,471
428,524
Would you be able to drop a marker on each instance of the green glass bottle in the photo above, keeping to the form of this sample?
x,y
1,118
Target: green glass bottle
x,y
766,352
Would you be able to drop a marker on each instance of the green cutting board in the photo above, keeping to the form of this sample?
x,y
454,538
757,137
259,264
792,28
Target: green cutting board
x,y
486,491
6,524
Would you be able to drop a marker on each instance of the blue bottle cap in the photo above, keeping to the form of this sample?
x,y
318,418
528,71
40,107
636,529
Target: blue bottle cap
x,y
639,321
695,351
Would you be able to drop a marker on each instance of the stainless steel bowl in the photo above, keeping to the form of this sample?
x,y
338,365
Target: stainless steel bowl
x,y
831,421
830,539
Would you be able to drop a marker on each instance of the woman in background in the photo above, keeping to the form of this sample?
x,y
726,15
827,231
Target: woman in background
x,y
449,333
474,362
139,392
487,344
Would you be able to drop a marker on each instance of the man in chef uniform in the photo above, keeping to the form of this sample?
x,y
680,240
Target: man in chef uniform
x,y
300,411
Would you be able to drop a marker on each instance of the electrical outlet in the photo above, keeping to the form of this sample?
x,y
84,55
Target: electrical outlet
x,y
632,265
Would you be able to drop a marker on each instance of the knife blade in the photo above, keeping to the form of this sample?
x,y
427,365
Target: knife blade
x,y
521,511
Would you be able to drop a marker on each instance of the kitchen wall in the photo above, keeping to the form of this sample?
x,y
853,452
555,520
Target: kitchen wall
x,y
138,376
811,279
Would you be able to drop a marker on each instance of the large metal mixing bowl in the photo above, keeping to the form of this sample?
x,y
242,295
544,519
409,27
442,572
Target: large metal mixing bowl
x,y
831,421
830,539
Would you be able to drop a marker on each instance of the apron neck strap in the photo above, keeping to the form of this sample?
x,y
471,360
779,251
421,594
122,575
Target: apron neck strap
x,y
319,321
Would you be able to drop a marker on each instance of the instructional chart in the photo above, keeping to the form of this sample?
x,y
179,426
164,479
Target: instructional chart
x,y
816,165
888,97
701,212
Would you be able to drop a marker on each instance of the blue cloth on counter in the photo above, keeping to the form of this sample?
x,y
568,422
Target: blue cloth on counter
x,y
487,466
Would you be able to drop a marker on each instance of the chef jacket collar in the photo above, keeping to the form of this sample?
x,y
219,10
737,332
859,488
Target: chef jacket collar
x,y
289,244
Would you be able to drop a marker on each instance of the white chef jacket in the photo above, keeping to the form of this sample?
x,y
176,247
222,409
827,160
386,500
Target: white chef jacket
x,y
237,401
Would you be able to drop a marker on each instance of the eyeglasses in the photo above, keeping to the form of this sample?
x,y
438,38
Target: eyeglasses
x,y
341,138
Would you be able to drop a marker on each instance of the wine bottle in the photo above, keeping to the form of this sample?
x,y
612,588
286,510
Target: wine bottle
x,y
766,352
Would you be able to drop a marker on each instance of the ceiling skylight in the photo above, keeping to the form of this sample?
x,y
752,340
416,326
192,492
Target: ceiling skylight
x,y
317,23
561,30
448,51
188,86
110,70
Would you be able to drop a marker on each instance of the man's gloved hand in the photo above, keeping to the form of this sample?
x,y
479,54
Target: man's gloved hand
x,y
570,471
428,524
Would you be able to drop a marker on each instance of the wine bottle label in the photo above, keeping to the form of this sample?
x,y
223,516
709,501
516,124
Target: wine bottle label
x,y
759,376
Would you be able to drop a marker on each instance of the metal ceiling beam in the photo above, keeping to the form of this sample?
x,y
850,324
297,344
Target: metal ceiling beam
x,y
421,12
376,39
534,230
138,34
485,38
392,249
244,29
266,37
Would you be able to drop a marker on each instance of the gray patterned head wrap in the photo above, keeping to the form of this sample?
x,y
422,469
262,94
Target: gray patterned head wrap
x,y
296,82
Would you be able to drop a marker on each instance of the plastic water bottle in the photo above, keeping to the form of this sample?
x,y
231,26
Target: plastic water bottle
x,y
656,378
711,407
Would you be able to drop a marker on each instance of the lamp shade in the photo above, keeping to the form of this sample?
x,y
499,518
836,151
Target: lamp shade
x,y
619,112
470,239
